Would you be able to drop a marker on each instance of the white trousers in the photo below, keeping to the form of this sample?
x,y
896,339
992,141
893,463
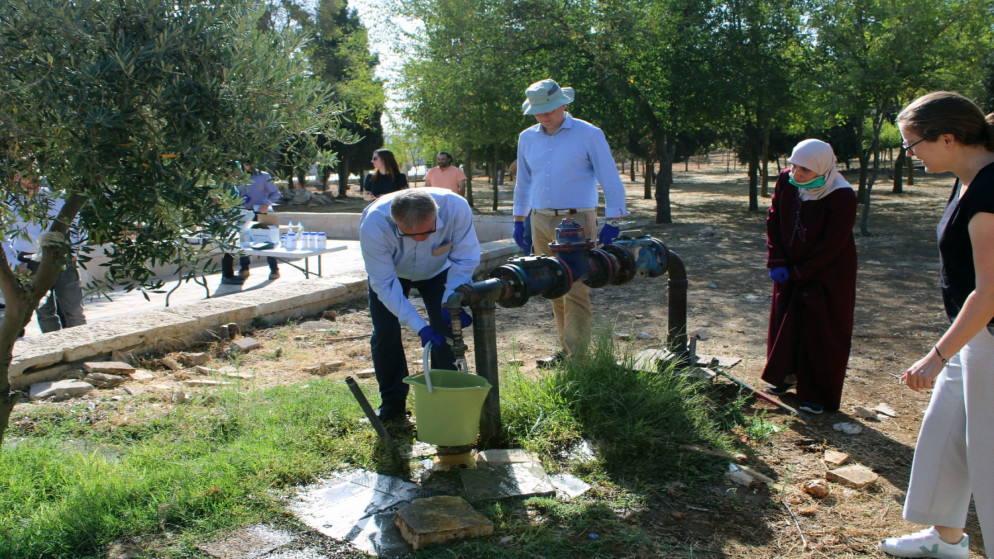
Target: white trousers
x,y
954,457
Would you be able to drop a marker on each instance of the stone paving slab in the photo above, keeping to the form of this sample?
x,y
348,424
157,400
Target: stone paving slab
x,y
511,480
357,508
441,519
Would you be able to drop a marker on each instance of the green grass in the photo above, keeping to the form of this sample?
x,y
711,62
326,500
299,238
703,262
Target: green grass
x,y
199,466
74,479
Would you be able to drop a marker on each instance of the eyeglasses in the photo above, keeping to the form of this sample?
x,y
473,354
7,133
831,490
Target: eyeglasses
x,y
375,157
910,148
428,232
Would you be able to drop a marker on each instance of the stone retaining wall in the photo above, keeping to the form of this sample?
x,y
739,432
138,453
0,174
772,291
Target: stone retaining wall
x,y
50,356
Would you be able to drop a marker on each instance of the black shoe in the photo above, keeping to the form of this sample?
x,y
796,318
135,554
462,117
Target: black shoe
x,y
779,390
551,362
391,414
811,407
232,280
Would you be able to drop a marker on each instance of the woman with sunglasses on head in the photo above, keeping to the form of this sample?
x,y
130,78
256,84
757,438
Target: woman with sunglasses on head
x,y
811,255
954,456
385,178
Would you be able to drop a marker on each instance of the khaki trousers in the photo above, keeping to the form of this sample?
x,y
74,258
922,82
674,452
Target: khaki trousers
x,y
954,456
572,311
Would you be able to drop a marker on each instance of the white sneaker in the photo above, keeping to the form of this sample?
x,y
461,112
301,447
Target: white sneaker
x,y
926,544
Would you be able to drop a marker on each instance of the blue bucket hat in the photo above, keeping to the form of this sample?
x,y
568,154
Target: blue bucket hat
x,y
544,96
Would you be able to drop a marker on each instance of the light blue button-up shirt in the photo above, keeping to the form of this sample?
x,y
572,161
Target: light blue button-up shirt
x,y
388,256
26,232
561,171
260,190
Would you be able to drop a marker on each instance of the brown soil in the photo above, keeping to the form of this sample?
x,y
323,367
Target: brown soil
x,y
898,317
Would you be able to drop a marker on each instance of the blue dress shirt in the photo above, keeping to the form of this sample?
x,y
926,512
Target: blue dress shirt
x,y
561,171
388,256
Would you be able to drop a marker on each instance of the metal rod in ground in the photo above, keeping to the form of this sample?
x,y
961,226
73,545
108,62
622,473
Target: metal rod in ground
x,y
368,410
762,396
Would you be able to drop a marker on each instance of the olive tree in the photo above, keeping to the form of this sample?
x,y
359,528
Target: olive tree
x,y
134,111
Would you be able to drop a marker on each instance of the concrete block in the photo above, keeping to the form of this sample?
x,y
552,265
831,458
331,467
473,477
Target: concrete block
x,y
59,390
109,367
440,519
854,476
834,458
105,380
245,344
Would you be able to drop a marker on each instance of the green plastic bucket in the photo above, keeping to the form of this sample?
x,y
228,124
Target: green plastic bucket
x,y
449,415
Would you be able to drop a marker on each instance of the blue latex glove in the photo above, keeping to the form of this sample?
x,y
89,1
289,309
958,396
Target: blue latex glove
x,y
464,318
608,234
519,235
779,274
428,334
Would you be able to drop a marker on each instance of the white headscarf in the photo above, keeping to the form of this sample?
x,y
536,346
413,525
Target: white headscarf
x,y
819,157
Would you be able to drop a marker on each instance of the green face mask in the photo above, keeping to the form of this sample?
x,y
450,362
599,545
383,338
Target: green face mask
x,y
813,183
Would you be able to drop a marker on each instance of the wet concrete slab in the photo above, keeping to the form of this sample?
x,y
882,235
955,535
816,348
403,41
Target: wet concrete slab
x,y
507,481
357,507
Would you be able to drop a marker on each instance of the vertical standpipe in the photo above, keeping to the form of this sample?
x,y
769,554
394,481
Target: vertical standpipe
x,y
512,284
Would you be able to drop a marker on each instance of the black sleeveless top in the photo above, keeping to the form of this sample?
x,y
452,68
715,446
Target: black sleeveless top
x,y
956,271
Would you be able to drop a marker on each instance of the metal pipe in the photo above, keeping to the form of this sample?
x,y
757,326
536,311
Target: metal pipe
x,y
368,410
676,320
485,348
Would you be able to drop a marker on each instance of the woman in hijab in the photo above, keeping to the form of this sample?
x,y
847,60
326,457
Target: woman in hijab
x,y
811,255
954,456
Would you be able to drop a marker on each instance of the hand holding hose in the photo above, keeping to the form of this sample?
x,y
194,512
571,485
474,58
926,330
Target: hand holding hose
x,y
428,334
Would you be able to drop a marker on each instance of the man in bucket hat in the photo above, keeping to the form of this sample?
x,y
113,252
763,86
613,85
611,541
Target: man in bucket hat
x,y
560,162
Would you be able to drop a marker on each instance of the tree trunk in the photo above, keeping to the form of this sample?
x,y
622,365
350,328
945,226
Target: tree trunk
x,y
647,177
864,164
663,182
632,169
469,177
765,160
343,178
753,183
21,301
911,172
493,172
864,228
899,173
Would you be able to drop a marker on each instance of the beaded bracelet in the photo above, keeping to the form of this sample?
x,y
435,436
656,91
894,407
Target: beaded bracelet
x,y
941,358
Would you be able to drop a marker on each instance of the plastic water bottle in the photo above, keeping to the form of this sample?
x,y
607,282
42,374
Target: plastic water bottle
x,y
322,240
291,241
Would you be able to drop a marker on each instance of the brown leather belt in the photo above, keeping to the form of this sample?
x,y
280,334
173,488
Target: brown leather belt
x,y
569,211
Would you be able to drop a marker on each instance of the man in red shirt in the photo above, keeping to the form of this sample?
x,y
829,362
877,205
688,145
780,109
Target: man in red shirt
x,y
445,175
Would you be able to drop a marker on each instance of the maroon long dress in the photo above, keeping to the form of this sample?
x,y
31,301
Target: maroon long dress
x,y
811,316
